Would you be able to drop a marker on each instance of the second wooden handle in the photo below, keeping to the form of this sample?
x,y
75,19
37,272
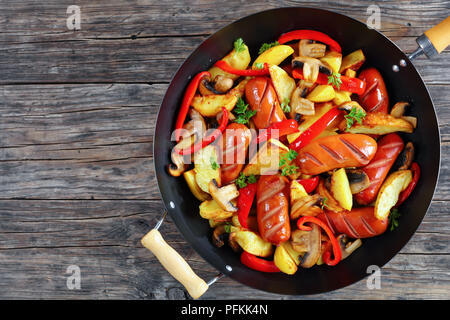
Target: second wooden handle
x,y
439,35
174,263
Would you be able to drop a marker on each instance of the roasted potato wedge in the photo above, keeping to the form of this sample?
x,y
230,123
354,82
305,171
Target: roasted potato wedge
x,y
211,105
340,188
333,60
387,197
189,176
284,261
274,55
353,61
204,172
297,191
378,123
210,209
322,93
252,243
341,97
238,60
283,83
267,159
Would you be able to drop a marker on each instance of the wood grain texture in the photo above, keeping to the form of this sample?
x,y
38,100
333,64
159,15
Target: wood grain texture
x,y
78,110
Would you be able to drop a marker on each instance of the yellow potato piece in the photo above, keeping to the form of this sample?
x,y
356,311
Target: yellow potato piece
x,y
340,189
353,61
238,60
204,172
322,93
297,191
284,261
341,97
387,197
189,176
332,59
379,123
267,159
253,243
283,83
210,209
274,55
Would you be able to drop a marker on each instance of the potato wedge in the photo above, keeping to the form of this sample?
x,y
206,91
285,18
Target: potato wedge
x,y
333,60
274,55
350,73
267,159
297,191
340,189
341,97
307,121
210,209
284,261
252,243
387,197
238,60
283,83
322,93
379,123
189,176
204,172
211,105
295,255
353,61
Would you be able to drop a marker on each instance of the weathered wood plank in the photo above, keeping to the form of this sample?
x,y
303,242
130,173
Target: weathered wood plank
x,y
40,239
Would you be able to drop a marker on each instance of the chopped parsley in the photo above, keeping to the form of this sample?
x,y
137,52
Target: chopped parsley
x,y
393,219
356,114
227,227
214,164
242,111
335,80
259,65
284,164
324,203
285,105
243,180
266,46
239,45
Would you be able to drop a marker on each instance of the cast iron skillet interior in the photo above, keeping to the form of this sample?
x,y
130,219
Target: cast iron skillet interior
x,y
406,85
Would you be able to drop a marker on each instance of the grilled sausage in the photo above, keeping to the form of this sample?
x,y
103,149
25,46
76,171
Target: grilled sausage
x,y
375,98
273,208
338,151
262,97
233,145
389,147
357,223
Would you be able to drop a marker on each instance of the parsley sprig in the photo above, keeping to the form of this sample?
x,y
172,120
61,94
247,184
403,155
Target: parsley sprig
x,y
259,65
214,164
356,114
243,180
324,203
286,168
239,45
393,219
285,105
266,46
335,80
243,112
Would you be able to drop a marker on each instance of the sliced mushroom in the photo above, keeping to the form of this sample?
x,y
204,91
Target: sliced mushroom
x,y
412,120
308,48
223,84
406,157
398,110
233,243
224,195
207,88
310,240
220,85
219,236
311,67
300,105
346,246
358,180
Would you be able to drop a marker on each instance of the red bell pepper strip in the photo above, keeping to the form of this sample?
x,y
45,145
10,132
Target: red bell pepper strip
x,y
244,203
245,73
353,85
334,242
210,138
255,263
186,103
284,127
405,194
309,184
315,129
310,35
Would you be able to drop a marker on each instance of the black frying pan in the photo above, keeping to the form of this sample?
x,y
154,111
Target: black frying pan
x,y
403,84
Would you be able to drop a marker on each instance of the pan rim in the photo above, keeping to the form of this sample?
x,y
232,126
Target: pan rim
x,y
184,231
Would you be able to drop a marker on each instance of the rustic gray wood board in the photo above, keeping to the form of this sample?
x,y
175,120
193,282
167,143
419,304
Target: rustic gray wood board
x,y
78,110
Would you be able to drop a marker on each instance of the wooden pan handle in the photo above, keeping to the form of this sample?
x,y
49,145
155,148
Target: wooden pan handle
x,y
439,35
174,263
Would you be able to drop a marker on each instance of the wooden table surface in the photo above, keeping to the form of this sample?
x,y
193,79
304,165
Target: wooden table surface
x,y
78,110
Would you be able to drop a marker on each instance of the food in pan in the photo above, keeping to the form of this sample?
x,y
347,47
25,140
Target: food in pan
x,y
295,156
